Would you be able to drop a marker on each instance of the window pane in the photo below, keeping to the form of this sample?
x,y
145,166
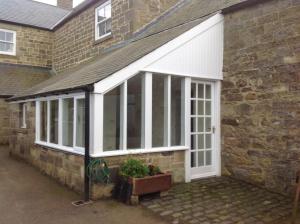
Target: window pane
x,y
208,91
111,119
101,29
80,123
2,35
9,37
200,107
208,107
208,157
67,122
158,112
134,107
193,90
200,124
193,107
201,91
2,46
108,11
193,159
21,117
176,111
208,141
200,141
201,158
43,121
108,26
101,15
54,121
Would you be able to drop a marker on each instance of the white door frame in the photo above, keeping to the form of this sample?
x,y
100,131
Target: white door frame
x,y
216,137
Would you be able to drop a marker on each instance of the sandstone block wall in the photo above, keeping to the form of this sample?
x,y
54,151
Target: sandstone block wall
x,y
261,95
74,42
34,46
4,122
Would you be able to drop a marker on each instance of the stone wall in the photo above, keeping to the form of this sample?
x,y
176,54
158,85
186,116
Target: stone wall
x,y
261,95
67,168
34,46
74,42
4,122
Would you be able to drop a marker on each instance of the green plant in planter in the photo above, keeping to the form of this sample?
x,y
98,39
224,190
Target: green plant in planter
x,y
134,168
153,170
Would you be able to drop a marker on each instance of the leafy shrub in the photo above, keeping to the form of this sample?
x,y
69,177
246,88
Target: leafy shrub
x,y
153,170
134,168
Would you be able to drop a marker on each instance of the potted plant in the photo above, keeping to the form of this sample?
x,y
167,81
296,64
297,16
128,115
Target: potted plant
x,y
142,179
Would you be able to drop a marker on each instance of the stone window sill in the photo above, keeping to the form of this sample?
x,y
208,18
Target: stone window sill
x,y
102,39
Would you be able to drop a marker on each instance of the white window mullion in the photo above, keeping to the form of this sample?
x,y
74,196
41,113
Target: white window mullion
x,y
147,111
167,111
48,121
123,115
74,121
60,122
185,110
37,120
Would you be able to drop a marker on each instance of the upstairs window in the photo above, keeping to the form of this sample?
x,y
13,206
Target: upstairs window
x,y
103,20
7,42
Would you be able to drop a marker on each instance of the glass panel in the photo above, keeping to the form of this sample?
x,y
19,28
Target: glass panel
x,y
54,121
193,90
193,159
193,142
2,46
108,26
176,111
134,108
9,36
201,141
43,121
201,91
101,29
101,14
193,107
108,11
9,47
208,91
67,121
2,35
158,112
208,157
193,124
208,141
200,107
200,124
111,120
201,158
208,107
208,124
80,122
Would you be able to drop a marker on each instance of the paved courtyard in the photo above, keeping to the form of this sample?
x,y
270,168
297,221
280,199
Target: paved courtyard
x,y
223,201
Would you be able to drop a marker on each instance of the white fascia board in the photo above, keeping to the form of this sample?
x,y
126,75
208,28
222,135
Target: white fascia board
x,y
120,76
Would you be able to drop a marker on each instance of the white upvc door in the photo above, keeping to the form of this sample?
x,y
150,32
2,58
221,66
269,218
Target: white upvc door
x,y
203,153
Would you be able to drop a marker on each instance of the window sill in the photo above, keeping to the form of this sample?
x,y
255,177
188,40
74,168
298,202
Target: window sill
x,y
7,53
103,38
139,151
61,148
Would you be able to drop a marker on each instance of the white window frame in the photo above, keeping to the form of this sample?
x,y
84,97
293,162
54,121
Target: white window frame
x,y
23,111
97,36
74,149
146,126
14,42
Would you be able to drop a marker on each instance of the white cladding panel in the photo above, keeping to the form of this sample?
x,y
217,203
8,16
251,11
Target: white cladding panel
x,y
200,57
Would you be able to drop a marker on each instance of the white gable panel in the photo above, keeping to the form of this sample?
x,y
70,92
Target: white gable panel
x,y
200,57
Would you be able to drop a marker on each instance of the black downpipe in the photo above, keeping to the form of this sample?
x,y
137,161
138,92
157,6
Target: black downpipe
x,y
87,147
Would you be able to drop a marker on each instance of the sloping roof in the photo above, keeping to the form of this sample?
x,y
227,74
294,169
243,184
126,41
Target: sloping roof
x,y
31,13
165,30
16,78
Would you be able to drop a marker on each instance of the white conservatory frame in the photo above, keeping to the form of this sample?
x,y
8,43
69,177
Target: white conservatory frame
x,y
196,54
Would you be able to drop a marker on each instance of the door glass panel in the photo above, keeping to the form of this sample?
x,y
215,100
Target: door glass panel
x,y
208,91
208,141
200,107
201,91
208,158
193,142
201,158
208,108
193,124
193,107
200,124
193,90
193,159
208,124
200,141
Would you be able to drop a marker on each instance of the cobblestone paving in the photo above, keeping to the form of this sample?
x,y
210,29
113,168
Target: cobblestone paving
x,y
220,200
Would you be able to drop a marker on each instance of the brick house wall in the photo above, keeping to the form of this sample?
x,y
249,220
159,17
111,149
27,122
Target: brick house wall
x,y
34,46
74,41
261,95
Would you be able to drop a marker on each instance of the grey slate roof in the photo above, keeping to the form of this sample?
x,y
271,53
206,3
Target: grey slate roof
x,y
16,78
31,13
189,15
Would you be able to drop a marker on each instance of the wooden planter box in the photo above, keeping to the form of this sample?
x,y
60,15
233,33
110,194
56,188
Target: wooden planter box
x,y
151,184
